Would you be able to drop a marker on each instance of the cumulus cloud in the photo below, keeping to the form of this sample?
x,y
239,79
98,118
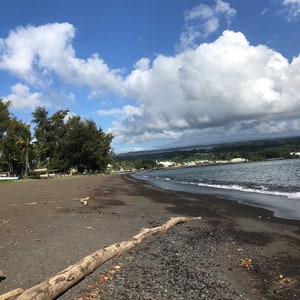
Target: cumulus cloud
x,y
203,20
35,54
224,84
223,88
21,97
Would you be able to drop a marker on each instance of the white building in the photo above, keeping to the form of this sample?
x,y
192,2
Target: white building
x,y
295,153
238,160
166,164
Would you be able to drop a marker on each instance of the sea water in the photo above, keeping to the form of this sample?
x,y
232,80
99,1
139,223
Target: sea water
x,y
274,185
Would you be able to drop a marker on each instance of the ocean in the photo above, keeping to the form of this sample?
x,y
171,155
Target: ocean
x,y
274,185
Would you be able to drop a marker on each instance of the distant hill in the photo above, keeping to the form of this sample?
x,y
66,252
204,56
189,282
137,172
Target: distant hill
x,y
289,144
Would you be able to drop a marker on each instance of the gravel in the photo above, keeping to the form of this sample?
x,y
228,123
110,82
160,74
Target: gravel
x,y
181,264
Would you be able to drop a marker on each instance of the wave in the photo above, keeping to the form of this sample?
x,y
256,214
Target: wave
x,y
264,190
260,189
269,185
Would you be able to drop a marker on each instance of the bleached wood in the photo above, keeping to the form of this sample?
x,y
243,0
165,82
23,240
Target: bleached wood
x,y
62,281
11,294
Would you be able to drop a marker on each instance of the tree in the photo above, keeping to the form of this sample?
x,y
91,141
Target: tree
x,y
39,150
59,144
4,117
86,146
15,147
49,133
24,142
58,130
42,132
146,164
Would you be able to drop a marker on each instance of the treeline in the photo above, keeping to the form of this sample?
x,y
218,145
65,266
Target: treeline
x,y
251,150
259,150
58,142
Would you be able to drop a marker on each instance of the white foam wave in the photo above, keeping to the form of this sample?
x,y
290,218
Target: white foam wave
x,y
261,190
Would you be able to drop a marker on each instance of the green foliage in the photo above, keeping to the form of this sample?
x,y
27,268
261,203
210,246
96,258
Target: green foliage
x,y
250,150
57,144
86,145
75,143
49,133
4,117
15,147
146,164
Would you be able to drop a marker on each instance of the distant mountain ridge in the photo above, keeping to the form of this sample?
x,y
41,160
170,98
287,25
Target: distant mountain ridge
x,y
288,143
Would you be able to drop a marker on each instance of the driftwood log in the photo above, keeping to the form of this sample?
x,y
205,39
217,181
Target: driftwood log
x,y
64,280
11,294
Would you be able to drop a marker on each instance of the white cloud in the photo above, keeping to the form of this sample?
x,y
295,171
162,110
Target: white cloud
x,y
30,52
35,54
21,97
223,88
292,9
203,20
227,85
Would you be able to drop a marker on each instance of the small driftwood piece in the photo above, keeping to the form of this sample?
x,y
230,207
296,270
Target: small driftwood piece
x,y
64,280
11,294
85,201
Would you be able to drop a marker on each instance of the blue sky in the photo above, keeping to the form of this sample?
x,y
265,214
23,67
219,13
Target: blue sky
x,y
156,73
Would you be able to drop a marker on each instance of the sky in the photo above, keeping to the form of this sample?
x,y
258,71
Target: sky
x,y
156,73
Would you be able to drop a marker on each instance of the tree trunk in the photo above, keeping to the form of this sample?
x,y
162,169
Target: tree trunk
x,y
62,281
26,160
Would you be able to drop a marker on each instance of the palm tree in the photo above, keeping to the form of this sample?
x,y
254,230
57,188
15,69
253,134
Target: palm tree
x,y
24,141
40,150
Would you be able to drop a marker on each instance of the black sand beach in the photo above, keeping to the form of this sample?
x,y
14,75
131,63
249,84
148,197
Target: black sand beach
x,y
44,228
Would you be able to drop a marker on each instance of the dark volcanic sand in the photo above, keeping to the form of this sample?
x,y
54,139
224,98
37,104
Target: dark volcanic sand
x,y
44,228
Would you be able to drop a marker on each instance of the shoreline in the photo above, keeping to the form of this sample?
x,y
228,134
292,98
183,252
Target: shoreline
x,y
44,228
238,231
283,202
233,203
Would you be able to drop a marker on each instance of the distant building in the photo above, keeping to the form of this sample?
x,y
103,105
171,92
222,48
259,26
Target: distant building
x,y
295,153
166,164
238,160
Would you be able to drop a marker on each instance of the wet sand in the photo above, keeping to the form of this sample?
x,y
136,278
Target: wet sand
x,y
44,228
